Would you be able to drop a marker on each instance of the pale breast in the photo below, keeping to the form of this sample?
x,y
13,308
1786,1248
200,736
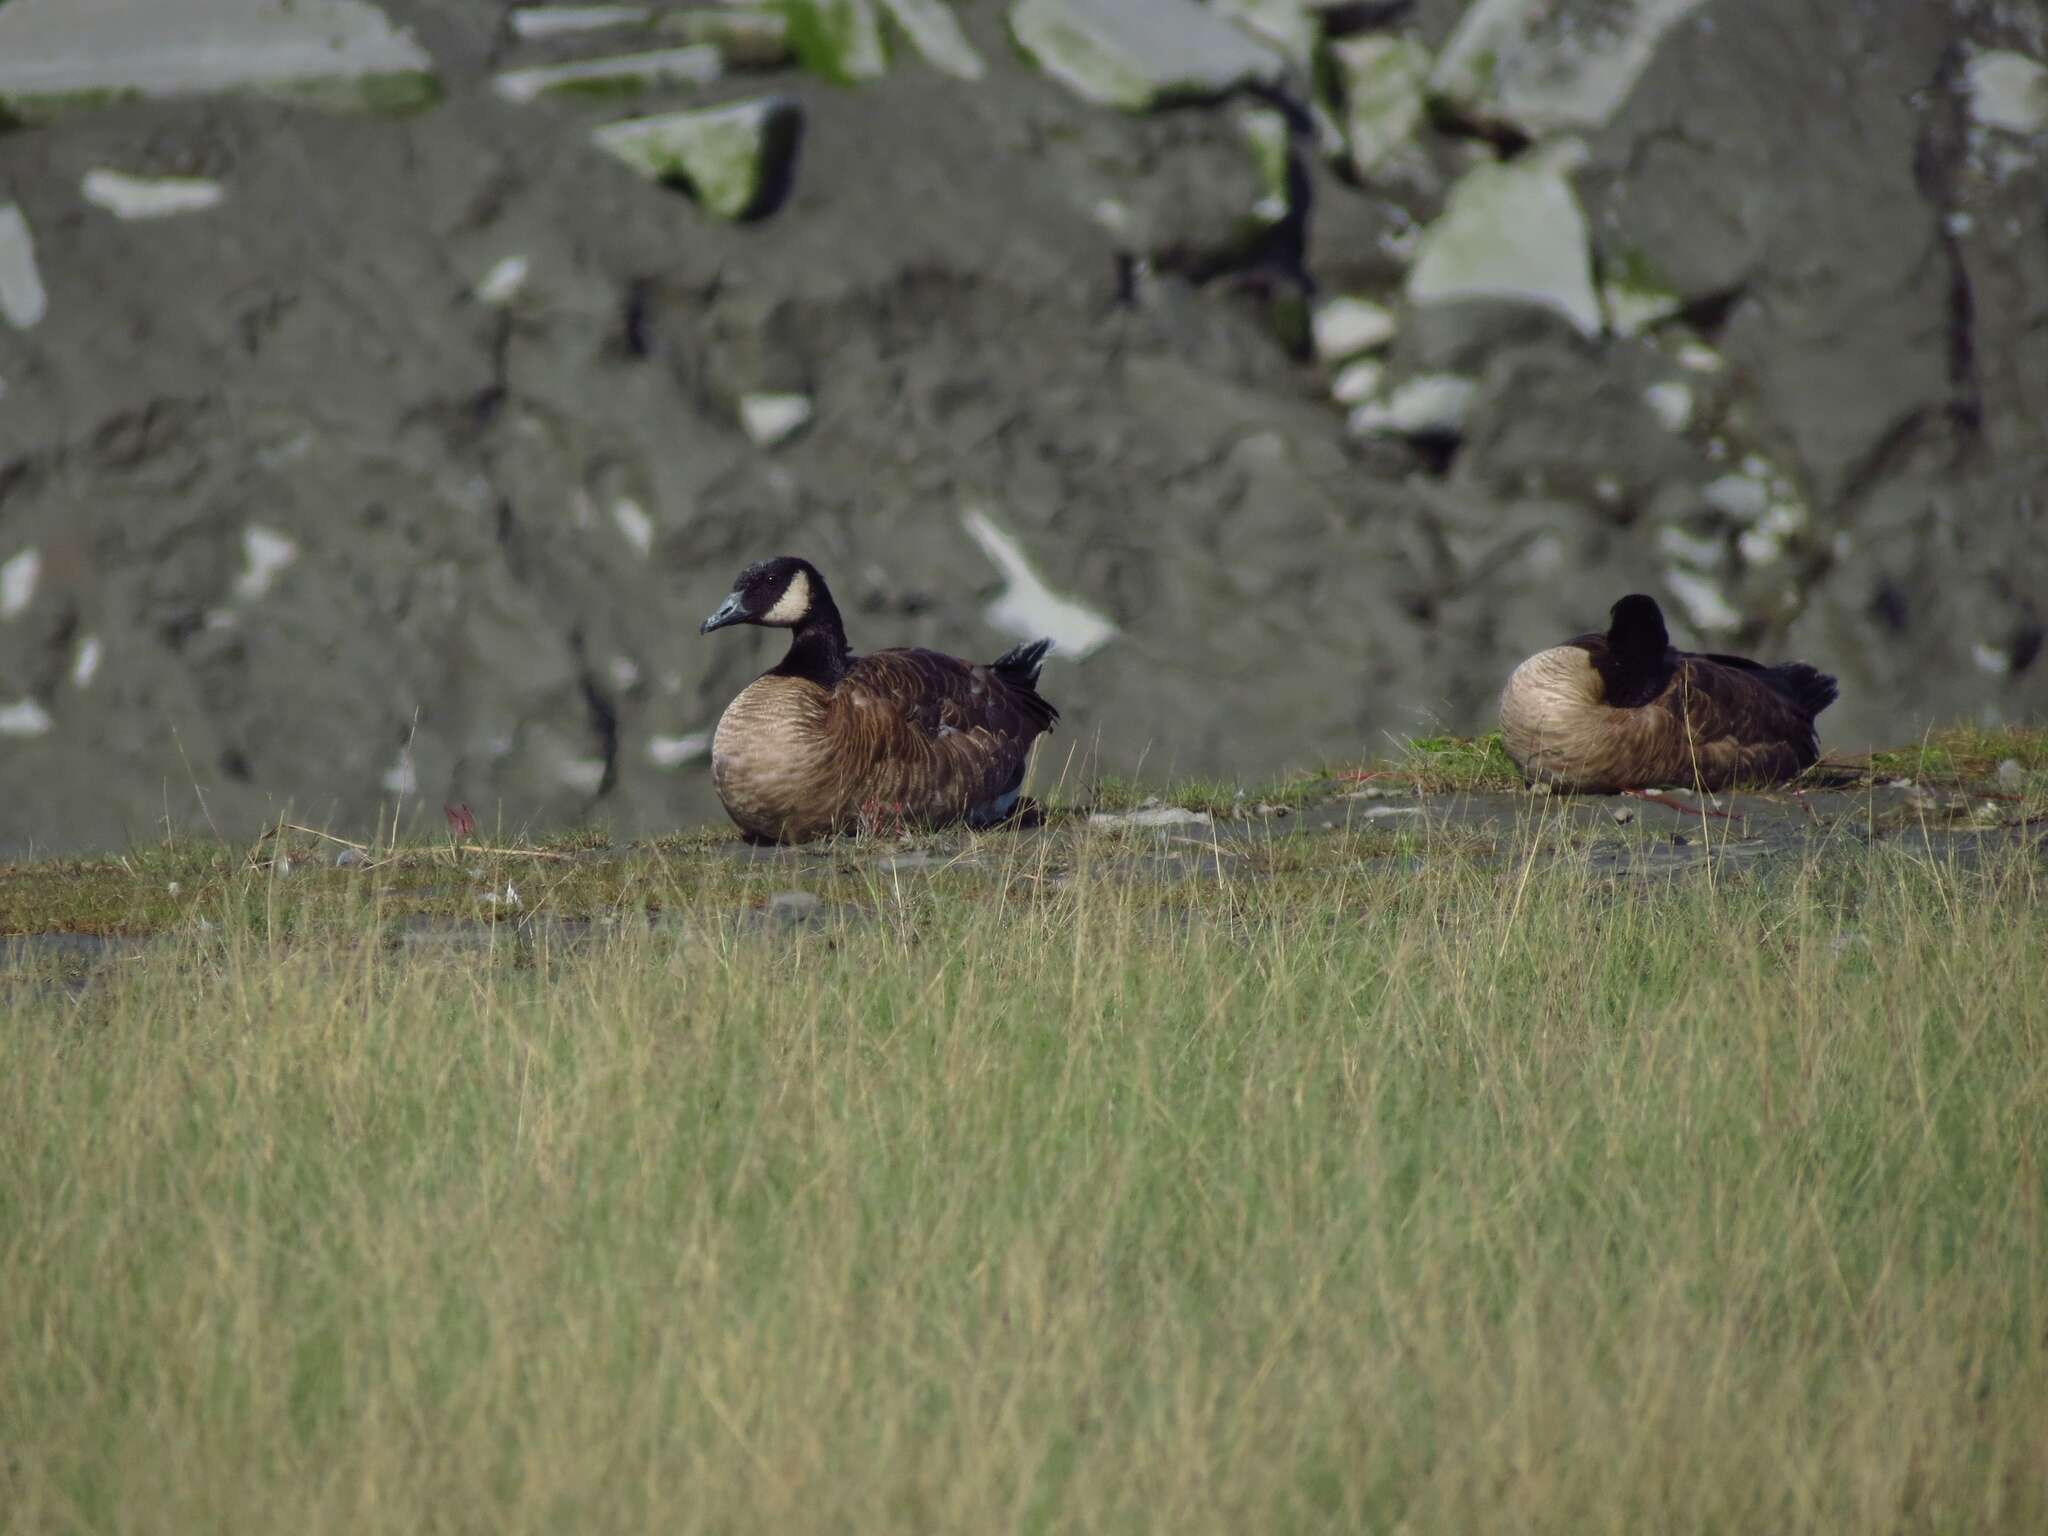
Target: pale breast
x,y
767,758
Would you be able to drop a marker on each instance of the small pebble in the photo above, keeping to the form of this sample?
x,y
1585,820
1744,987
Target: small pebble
x,y
1622,815
348,858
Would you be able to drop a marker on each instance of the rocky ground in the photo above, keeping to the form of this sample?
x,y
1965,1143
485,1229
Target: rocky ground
x,y
1959,800
375,442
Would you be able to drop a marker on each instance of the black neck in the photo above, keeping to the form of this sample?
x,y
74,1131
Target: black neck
x,y
818,651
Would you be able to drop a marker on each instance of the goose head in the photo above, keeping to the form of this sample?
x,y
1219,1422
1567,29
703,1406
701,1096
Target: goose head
x,y
780,593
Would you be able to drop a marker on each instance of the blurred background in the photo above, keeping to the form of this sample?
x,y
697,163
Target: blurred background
x,y
387,390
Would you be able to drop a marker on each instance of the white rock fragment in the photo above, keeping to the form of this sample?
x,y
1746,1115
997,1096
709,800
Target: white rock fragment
x,y
1028,608
555,20
1700,551
2009,92
148,197
585,775
694,65
1343,328
1760,546
24,717
265,552
58,48
1357,382
402,777
1151,816
1634,305
18,582
728,156
85,666
22,299
935,33
1744,497
1547,67
1431,404
1513,232
675,751
634,525
504,282
1385,79
1991,658
1671,404
1702,601
771,419
1698,357
1137,54
745,38
1285,24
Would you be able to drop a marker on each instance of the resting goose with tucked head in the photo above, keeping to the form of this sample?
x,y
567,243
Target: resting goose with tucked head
x,y
827,737
1623,710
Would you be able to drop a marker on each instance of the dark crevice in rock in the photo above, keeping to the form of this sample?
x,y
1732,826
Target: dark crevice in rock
x,y
179,629
234,763
1269,260
1438,451
1938,158
1343,19
1509,141
1708,314
635,338
1889,606
604,714
2026,646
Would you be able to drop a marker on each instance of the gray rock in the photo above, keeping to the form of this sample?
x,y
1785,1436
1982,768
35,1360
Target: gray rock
x,y
54,52
1152,816
737,160
1137,54
1546,66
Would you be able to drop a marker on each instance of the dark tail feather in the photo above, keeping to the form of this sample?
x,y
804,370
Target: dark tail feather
x,y
1809,687
1020,663
1018,667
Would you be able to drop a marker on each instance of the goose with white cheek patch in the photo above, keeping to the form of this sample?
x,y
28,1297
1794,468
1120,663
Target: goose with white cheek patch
x,y
1623,710
828,739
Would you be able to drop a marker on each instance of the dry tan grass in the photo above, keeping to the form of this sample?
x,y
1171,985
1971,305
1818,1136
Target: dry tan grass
x,y
1467,1198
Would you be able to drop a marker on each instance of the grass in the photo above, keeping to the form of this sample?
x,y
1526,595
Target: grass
x,y
1339,1193
1965,754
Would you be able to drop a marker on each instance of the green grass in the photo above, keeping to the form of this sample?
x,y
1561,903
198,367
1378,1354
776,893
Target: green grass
x,y
1337,1195
1964,754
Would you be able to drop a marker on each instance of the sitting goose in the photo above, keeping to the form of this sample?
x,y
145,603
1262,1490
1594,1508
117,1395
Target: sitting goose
x,y
1624,711
828,737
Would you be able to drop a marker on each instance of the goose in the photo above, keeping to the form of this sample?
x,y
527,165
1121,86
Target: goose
x,y
1625,711
829,738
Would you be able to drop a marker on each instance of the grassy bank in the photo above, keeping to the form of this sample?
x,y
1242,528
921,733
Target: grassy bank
x,y
1343,1191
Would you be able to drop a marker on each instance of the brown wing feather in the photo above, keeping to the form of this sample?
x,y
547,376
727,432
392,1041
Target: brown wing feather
x,y
931,733
1729,725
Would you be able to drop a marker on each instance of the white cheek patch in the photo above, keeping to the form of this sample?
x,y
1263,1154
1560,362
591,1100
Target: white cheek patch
x,y
794,603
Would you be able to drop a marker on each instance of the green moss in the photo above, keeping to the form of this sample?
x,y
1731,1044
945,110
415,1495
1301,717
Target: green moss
x,y
1454,764
1962,754
839,40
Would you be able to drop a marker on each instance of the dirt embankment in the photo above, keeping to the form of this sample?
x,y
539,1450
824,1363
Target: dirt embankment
x,y
405,462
